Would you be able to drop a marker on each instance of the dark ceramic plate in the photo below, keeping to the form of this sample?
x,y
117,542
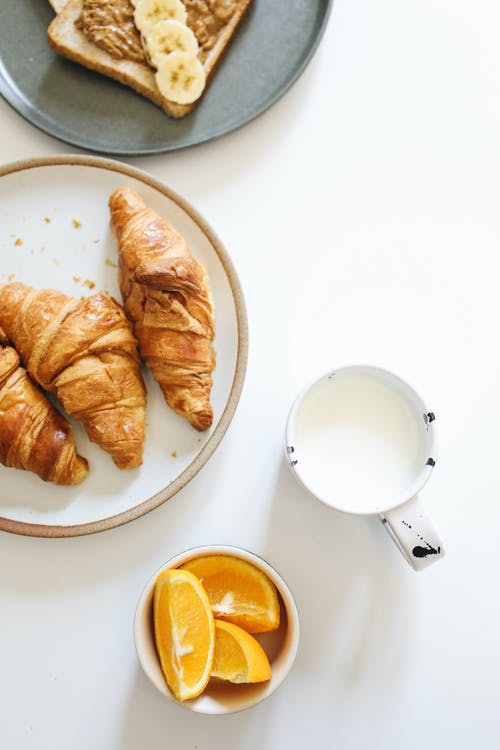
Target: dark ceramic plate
x,y
272,47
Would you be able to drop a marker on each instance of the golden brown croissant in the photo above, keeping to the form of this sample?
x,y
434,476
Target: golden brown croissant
x,y
84,351
166,294
33,435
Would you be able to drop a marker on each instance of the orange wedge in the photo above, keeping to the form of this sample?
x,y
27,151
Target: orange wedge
x,y
184,632
238,592
238,656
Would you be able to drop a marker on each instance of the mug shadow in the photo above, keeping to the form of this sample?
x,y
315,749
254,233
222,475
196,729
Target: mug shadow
x,y
351,589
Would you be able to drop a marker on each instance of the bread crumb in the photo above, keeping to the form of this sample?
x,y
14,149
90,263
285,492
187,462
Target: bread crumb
x,y
47,219
42,249
96,242
11,276
89,283
77,223
18,242
174,454
76,278
56,261
111,263
32,251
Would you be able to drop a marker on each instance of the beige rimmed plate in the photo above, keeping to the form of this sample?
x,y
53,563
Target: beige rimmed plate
x,y
54,232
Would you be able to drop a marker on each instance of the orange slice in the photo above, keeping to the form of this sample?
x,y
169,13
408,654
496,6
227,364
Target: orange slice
x,y
238,656
238,592
184,632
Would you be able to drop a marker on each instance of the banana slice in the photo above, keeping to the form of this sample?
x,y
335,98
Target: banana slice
x,y
181,77
149,12
170,36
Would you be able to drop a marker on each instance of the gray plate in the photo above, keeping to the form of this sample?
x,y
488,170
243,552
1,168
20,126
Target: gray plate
x,y
272,47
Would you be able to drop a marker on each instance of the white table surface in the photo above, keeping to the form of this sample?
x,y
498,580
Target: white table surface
x,y
362,214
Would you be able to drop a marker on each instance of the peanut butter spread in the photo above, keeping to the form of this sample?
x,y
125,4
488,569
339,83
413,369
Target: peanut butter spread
x,y
110,25
207,18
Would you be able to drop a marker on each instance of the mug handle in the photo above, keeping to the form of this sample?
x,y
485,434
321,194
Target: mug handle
x,y
414,534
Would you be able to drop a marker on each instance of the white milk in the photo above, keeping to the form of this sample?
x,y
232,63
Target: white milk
x,y
360,443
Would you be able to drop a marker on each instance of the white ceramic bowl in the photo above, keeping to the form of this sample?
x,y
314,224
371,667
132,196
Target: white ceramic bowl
x,y
220,698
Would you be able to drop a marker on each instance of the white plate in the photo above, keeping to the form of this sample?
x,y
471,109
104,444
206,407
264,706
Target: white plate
x,y
55,232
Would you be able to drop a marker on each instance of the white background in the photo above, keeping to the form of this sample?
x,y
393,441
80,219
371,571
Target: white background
x,y
362,214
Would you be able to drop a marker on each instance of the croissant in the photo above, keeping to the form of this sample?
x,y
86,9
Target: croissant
x,y
166,294
83,351
33,435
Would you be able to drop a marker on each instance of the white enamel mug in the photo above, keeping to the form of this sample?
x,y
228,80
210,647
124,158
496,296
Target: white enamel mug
x,y
361,440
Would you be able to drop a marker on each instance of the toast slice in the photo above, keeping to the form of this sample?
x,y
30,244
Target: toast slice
x,y
68,40
58,5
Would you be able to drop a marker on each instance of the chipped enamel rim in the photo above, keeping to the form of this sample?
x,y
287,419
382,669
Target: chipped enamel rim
x,y
395,382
